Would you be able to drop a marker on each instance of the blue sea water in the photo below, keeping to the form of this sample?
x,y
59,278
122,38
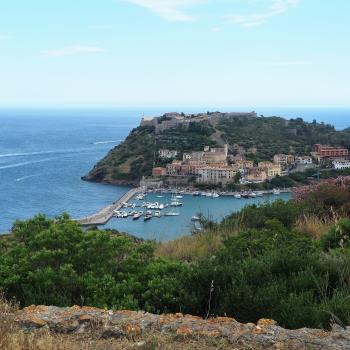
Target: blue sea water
x,y
43,154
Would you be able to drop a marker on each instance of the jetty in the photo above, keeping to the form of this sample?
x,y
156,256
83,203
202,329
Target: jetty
x,y
106,213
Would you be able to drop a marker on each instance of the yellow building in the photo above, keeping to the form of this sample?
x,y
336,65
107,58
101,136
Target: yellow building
x,y
272,169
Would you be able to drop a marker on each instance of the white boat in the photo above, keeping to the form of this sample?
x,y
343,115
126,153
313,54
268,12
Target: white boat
x,y
209,194
147,217
172,213
175,202
252,195
157,214
276,191
195,218
259,193
215,195
178,196
196,193
238,196
137,216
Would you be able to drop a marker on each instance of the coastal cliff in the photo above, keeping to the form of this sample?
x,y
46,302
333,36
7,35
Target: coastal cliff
x,y
130,329
257,136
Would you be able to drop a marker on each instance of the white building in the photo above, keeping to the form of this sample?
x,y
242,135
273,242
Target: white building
x,y
339,165
305,160
216,174
167,154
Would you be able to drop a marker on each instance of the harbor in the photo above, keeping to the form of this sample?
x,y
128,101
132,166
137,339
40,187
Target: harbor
x,y
167,213
106,213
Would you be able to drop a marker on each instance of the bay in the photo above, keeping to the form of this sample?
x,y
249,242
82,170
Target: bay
x,y
44,153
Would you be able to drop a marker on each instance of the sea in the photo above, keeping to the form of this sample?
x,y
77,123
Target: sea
x,y
44,153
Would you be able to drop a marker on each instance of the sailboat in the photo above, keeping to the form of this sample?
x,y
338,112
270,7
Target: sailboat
x,y
175,202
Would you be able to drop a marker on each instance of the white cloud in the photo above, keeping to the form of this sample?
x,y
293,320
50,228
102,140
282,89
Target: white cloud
x,y
277,7
171,10
73,50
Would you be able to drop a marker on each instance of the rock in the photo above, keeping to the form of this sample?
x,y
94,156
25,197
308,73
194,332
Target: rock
x,y
118,324
114,332
32,323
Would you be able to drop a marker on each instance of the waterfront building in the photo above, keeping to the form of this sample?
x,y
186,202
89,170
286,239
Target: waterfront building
x,y
159,171
174,168
215,175
256,174
340,165
177,168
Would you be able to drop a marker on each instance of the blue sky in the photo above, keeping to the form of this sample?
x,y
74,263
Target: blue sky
x,y
174,53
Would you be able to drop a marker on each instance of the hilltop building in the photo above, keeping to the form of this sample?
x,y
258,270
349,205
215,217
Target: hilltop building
x,y
167,154
208,156
323,152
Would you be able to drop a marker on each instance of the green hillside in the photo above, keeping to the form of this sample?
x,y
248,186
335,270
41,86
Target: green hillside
x,y
136,156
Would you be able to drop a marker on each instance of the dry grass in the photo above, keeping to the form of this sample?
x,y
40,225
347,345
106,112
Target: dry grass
x,y
314,226
190,248
13,338
18,340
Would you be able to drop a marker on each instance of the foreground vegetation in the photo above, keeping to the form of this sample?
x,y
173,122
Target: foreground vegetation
x,y
289,261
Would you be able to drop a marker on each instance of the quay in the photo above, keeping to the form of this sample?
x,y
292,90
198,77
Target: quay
x,y
106,213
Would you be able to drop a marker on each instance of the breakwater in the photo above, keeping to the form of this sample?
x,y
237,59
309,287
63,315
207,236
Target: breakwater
x,y
106,213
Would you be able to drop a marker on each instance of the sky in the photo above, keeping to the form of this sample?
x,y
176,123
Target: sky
x,y
120,53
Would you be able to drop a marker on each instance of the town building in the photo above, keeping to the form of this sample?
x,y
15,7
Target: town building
x,y
208,155
323,152
340,165
284,159
215,175
167,154
256,174
245,164
159,171
305,160
272,169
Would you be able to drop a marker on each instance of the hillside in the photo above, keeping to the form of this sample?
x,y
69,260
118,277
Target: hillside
x,y
135,157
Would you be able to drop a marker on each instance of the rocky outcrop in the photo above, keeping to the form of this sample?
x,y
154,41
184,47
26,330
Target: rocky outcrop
x,y
266,334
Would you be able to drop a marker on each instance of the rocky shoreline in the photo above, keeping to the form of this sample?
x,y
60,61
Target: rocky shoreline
x,y
133,183
107,324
